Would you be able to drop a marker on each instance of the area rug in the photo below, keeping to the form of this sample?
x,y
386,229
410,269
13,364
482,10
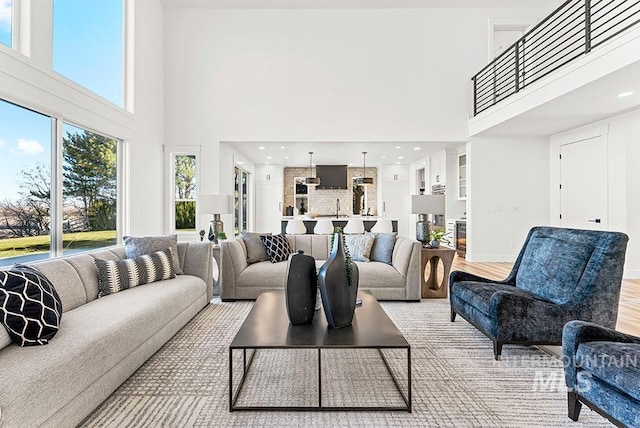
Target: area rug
x,y
456,382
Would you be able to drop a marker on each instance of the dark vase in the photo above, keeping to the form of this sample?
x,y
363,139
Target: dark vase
x,y
338,296
301,288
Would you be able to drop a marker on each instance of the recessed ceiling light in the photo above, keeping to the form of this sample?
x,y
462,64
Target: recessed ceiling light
x,y
398,163
282,147
400,157
397,147
383,157
269,157
240,163
266,163
350,164
261,147
625,94
286,157
416,148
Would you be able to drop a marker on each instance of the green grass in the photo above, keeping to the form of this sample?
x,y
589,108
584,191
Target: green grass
x,y
14,247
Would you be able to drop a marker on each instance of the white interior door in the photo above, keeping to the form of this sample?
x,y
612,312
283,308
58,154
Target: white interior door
x,y
268,207
583,184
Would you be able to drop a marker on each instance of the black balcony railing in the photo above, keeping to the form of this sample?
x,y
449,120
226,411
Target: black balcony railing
x,y
572,30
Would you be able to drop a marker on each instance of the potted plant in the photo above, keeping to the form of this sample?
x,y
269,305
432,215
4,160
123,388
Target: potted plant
x,y
438,236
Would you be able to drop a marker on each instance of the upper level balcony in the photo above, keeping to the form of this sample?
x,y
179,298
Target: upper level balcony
x,y
568,70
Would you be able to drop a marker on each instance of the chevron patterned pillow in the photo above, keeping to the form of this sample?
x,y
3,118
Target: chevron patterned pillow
x,y
118,275
30,308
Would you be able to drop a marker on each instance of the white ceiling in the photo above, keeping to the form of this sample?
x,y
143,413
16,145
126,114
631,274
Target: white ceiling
x,y
356,4
587,104
333,153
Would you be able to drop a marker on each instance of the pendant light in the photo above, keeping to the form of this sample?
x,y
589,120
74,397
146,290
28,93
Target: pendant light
x,y
311,180
364,180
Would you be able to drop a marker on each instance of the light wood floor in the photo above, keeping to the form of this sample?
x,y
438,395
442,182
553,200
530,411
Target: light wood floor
x,y
628,312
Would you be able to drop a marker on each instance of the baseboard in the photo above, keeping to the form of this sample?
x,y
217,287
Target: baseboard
x,y
631,274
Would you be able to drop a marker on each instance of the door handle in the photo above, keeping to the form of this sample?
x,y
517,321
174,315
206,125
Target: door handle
x,y
279,206
595,220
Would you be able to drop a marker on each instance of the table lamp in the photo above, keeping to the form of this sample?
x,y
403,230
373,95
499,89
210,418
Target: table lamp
x,y
216,205
423,205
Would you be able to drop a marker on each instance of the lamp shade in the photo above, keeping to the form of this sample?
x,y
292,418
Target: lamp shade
x,y
296,227
354,226
215,204
427,204
382,226
323,227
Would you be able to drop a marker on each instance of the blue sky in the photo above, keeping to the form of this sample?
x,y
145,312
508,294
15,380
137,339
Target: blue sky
x,y
87,44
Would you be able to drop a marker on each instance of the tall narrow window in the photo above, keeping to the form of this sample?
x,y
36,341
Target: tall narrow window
x,y
88,44
25,184
185,169
241,200
90,166
6,22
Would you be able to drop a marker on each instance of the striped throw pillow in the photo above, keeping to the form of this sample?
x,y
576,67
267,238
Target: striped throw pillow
x,y
118,275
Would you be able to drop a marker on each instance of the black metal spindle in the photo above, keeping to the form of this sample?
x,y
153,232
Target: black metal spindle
x,y
587,26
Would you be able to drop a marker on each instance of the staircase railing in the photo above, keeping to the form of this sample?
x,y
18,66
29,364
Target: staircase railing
x,y
572,30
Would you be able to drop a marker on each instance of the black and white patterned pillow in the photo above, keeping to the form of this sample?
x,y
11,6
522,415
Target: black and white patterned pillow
x,y
278,247
30,308
119,275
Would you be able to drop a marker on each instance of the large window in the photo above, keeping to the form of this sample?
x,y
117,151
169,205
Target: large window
x,y
90,171
29,226
6,21
88,44
25,184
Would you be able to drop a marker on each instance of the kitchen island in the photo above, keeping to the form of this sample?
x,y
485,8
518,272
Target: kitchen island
x,y
310,223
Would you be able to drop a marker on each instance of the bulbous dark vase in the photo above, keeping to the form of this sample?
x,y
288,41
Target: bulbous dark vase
x,y
338,296
301,288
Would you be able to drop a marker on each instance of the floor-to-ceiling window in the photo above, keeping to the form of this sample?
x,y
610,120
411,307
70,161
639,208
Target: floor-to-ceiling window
x,y
88,45
6,22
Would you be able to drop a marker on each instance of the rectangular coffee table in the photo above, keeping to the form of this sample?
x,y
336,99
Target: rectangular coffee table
x,y
267,327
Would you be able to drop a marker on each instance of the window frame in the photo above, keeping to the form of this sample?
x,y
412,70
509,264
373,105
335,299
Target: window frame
x,y
241,220
170,155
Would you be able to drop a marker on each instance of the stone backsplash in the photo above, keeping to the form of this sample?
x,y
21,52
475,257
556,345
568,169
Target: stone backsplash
x,y
323,201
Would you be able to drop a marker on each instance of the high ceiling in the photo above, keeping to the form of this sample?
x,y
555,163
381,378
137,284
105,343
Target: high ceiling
x,y
336,153
356,4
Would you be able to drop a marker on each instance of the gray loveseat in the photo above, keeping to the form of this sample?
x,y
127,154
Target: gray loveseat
x,y
101,342
399,280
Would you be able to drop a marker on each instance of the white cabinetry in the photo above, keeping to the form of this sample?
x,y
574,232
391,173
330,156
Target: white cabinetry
x,y
395,197
268,201
439,168
462,176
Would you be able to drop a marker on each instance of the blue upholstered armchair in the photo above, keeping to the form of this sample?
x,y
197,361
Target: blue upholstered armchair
x,y
602,370
560,275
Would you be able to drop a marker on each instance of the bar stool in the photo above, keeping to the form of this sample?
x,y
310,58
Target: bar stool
x,y
323,227
382,226
296,227
354,226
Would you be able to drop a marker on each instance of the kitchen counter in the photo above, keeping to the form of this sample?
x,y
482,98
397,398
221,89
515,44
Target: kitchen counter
x,y
310,223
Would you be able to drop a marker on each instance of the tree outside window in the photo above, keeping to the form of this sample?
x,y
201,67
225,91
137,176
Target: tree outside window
x,y
185,192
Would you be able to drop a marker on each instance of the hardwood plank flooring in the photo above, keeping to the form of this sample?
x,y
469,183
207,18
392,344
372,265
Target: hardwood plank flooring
x,y
628,312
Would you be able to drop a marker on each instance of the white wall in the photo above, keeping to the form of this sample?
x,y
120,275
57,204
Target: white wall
x,y
622,174
508,194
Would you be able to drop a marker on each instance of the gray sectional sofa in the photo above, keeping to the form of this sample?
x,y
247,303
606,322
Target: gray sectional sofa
x,y
399,280
101,342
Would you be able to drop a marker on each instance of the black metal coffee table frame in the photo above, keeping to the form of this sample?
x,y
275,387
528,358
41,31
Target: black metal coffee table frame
x,y
371,329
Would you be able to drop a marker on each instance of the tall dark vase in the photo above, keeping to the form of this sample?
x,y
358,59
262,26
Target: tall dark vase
x,y
301,288
338,296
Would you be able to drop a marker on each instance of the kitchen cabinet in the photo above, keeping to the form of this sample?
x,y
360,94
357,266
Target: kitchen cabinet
x,y
268,199
394,173
462,176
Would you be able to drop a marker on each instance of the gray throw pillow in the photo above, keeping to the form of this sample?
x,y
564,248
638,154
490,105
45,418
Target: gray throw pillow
x,y
256,251
382,250
136,246
359,246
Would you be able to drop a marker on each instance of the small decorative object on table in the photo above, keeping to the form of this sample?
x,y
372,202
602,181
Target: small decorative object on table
x,y
202,233
437,236
338,281
301,288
